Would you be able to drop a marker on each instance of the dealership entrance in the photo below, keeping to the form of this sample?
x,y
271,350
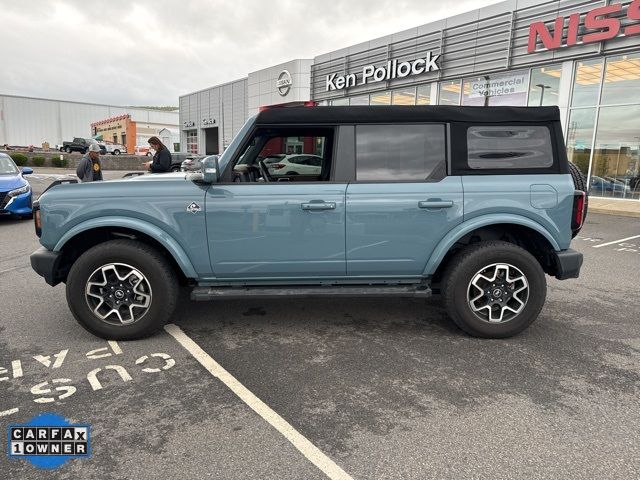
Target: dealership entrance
x,y
211,141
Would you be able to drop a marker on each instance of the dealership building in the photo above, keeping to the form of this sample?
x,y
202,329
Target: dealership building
x,y
582,56
28,121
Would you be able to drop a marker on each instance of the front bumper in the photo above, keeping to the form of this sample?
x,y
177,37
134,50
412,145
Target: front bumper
x,y
47,264
568,263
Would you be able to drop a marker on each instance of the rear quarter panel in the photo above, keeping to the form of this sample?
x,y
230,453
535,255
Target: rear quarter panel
x,y
545,199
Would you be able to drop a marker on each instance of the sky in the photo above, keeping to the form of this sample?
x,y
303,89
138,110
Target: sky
x,y
124,52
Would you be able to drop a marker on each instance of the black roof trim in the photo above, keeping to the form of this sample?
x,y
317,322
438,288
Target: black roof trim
x,y
405,114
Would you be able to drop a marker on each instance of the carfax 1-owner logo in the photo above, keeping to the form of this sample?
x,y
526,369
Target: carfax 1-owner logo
x,y
48,441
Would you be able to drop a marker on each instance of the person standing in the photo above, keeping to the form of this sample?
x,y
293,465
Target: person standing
x,y
89,168
161,162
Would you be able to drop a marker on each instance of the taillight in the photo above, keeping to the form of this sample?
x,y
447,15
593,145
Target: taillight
x,y
579,211
37,220
277,166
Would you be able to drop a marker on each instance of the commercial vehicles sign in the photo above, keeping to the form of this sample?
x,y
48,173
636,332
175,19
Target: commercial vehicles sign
x,y
493,87
602,23
393,69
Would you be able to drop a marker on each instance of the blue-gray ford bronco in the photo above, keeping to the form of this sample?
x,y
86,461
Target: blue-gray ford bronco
x,y
475,204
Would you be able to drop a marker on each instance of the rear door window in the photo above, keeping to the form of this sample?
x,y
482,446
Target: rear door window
x,y
509,147
400,152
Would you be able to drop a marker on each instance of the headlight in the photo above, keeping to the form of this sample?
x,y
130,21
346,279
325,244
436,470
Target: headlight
x,y
19,191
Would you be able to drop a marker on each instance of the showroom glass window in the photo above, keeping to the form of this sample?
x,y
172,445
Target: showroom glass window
x,y
614,171
621,80
586,83
496,89
399,152
449,93
423,94
380,98
544,85
359,100
580,137
339,102
404,96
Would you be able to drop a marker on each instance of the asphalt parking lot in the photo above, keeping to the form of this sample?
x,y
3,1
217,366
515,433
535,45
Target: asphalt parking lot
x,y
384,388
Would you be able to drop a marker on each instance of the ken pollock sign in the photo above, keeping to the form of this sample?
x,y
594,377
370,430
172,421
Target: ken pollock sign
x,y
602,23
393,69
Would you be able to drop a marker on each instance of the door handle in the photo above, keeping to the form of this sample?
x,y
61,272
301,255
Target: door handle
x,y
435,204
318,206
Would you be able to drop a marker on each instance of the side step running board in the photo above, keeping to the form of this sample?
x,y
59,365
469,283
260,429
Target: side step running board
x,y
212,293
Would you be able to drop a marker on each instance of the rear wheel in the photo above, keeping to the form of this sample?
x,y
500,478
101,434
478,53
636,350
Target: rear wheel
x,y
116,152
122,290
67,149
494,289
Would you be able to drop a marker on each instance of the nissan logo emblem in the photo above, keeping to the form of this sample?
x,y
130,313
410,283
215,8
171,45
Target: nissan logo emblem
x,y
284,82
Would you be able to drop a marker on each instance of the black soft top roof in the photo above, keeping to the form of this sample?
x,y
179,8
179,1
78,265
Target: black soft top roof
x,y
403,114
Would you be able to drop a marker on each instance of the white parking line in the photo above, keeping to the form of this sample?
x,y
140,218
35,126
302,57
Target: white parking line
x,y
9,412
616,241
304,446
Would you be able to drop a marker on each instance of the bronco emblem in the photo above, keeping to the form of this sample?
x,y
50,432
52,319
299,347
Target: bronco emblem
x,y
193,208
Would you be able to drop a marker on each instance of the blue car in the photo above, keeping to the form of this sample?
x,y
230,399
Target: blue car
x,y
15,192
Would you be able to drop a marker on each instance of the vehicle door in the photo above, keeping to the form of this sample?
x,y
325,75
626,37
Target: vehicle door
x,y
402,203
263,226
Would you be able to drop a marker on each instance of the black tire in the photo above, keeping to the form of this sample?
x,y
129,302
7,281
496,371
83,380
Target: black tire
x,y
579,180
463,267
580,183
175,169
67,149
116,152
148,261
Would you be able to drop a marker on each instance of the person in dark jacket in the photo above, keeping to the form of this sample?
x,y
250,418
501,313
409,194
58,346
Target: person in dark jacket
x,y
89,168
161,162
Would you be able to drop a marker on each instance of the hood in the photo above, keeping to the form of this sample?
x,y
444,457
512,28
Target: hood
x,y
10,182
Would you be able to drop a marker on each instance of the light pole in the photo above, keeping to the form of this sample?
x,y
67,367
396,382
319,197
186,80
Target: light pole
x,y
542,88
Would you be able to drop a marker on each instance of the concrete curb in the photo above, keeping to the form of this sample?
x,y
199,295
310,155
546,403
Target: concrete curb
x,y
625,208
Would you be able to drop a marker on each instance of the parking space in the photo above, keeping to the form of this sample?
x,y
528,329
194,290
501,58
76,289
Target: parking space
x,y
372,388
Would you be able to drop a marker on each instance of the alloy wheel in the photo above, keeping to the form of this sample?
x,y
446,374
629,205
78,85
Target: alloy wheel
x,y
498,293
118,294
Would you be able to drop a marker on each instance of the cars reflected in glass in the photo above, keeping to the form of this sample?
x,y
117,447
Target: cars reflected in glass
x,y
609,187
294,164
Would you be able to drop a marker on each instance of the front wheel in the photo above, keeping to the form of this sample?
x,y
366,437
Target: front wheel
x,y
116,152
494,289
122,290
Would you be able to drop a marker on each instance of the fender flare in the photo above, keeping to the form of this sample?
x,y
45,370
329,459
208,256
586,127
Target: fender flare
x,y
174,248
468,226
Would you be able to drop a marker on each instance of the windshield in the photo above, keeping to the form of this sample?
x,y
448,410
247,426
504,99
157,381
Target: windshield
x,y
7,166
233,146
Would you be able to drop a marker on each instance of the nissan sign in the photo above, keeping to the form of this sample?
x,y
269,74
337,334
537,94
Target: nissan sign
x,y
602,23
284,82
393,69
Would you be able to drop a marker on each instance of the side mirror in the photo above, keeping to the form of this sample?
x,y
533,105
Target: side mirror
x,y
210,169
27,171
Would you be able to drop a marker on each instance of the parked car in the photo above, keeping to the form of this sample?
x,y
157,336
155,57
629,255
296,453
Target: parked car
x,y
602,186
15,191
473,204
81,145
113,148
178,158
143,150
192,163
301,164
